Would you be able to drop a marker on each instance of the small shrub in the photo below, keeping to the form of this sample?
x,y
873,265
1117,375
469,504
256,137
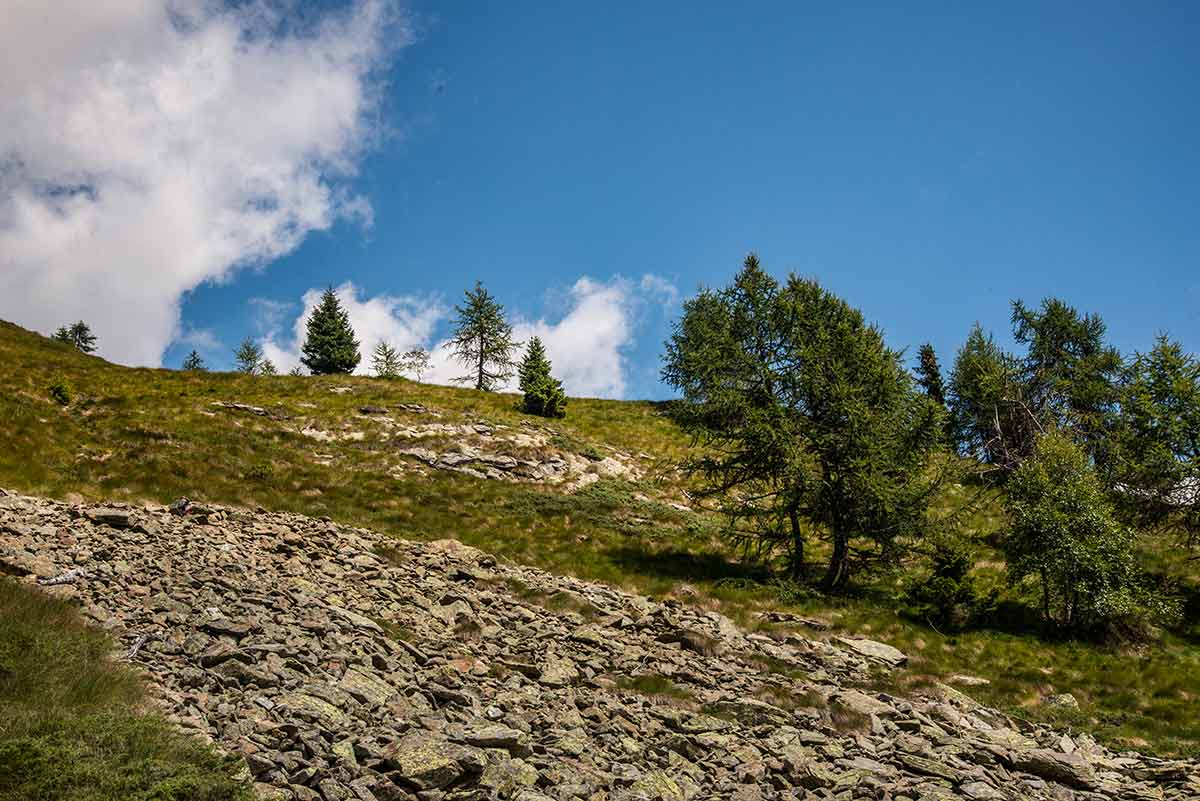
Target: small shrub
x,y
60,391
261,473
947,597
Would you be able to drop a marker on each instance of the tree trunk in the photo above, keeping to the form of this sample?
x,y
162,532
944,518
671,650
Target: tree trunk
x,y
479,375
839,567
1045,598
797,546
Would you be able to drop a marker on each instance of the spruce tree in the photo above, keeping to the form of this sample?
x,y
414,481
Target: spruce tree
x,y
267,367
194,362
544,394
483,340
929,375
385,361
249,357
330,346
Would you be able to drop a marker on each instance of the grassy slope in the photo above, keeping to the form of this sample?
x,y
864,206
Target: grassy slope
x,y
70,727
153,434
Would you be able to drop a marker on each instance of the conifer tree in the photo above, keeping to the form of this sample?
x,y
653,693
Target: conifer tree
x,y
78,334
249,357
385,361
267,367
805,419
483,340
929,375
544,394
194,362
330,346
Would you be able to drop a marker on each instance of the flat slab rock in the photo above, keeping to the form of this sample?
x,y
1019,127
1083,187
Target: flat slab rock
x,y
880,652
434,674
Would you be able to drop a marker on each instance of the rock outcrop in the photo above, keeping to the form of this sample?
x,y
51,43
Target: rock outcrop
x,y
342,664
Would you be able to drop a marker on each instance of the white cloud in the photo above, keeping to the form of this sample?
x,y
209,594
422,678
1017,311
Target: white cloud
x,y
586,345
152,145
403,322
201,339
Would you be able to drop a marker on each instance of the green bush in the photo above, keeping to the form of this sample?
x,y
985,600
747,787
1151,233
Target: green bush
x,y
947,596
60,391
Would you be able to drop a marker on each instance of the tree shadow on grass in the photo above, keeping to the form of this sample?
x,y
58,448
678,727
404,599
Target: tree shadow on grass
x,y
682,565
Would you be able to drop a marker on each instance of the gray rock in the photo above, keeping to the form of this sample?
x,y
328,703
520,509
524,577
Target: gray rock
x,y
880,652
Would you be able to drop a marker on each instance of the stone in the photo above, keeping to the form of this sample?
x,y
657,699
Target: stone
x,y
312,707
863,704
981,791
367,686
1061,701
109,516
880,652
1069,769
656,786
426,762
512,740
558,672
506,777
968,681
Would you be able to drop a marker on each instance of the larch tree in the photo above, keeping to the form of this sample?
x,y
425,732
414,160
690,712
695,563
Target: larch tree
x,y
248,357
385,361
805,420
483,341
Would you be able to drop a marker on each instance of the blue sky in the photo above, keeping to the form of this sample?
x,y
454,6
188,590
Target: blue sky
x,y
929,165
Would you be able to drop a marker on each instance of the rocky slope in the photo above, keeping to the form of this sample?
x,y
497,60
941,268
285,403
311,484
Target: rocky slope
x,y
345,665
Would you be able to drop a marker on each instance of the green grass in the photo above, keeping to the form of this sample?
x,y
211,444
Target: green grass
x,y
154,435
70,726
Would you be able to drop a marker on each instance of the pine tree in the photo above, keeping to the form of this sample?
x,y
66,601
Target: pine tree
x,y
78,334
483,340
330,346
415,361
385,361
249,357
544,394
267,367
929,375
194,362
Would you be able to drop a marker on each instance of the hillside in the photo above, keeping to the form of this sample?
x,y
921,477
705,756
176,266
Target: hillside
x,y
339,663
595,496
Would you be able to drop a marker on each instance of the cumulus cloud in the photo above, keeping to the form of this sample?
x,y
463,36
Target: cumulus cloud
x,y
152,145
402,321
586,344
